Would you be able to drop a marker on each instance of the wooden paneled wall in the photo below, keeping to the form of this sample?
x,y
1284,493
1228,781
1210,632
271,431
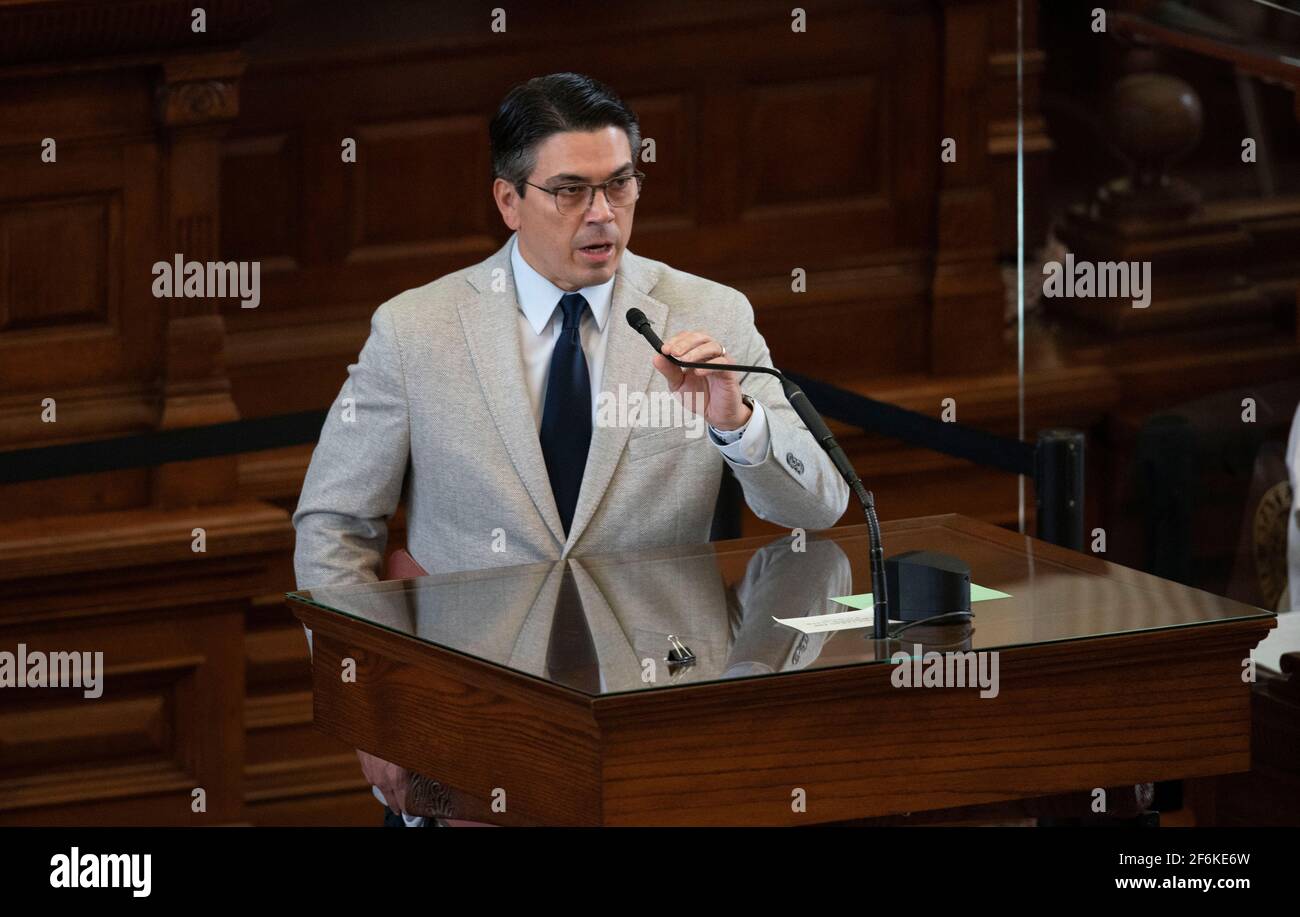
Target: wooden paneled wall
x,y
111,119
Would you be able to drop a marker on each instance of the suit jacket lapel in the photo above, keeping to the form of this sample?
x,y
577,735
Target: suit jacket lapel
x,y
491,323
628,363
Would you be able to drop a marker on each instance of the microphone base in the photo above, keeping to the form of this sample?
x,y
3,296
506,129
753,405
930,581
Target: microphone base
x,y
923,584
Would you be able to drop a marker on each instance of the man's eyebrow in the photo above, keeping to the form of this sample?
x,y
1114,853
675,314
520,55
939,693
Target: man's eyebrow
x,y
571,177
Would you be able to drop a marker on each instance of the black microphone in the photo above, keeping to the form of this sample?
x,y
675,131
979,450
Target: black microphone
x,y
822,433
641,325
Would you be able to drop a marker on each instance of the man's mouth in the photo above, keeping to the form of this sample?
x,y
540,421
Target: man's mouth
x,y
597,252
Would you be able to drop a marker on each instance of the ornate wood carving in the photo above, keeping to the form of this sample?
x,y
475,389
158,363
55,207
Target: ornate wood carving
x,y
32,30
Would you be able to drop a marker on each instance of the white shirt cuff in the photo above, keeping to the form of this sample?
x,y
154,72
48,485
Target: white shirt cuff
x,y
747,445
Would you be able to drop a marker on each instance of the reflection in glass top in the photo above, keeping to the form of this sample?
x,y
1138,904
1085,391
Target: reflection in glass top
x,y
601,624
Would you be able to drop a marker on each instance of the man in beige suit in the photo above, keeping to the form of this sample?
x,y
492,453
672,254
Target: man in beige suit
x,y
499,401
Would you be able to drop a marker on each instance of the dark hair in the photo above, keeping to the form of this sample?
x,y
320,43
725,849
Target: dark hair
x,y
547,105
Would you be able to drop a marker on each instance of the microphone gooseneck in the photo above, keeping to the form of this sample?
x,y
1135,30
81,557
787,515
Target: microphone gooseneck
x,y
822,433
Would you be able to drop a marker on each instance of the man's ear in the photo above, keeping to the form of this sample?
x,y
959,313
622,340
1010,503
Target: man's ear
x,y
507,200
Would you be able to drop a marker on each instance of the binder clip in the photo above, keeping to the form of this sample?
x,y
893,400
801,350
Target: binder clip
x,y
680,654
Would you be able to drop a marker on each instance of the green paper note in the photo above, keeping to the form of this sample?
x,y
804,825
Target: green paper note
x,y
866,600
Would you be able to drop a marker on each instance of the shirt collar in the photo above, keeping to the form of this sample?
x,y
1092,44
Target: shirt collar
x,y
538,297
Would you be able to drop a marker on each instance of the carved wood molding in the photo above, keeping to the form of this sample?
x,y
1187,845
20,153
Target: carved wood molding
x,y
78,29
248,535
198,102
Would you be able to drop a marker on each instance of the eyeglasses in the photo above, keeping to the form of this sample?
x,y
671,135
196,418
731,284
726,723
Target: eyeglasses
x,y
620,191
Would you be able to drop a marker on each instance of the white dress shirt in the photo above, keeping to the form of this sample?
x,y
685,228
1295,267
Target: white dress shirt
x,y
540,322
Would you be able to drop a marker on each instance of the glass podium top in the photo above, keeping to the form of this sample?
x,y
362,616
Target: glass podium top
x,y
600,624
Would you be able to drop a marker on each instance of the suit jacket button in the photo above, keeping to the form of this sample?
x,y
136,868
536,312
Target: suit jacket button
x,y
794,463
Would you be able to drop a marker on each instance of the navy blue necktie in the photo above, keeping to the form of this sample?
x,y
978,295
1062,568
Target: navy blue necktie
x,y
566,416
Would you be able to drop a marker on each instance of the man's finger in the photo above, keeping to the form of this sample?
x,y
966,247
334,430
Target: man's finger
x,y
686,340
721,362
703,352
671,371
397,800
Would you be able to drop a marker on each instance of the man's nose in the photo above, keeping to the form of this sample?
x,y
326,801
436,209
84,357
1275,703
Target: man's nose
x,y
600,211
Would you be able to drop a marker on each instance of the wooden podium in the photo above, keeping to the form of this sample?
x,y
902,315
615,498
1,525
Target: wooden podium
x,y
481,683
